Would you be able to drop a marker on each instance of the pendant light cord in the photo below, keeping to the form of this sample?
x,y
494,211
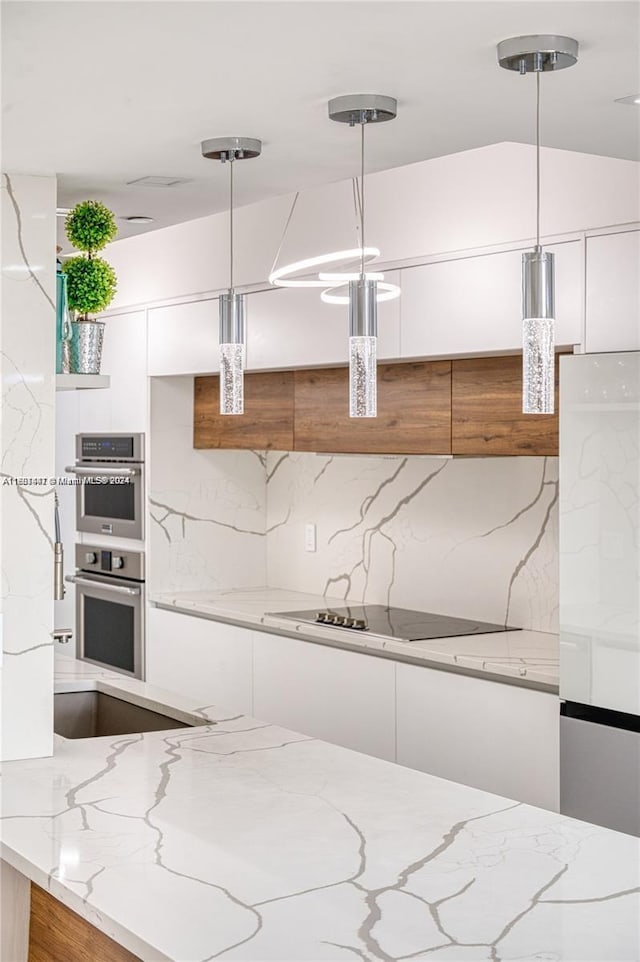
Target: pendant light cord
x,y
538,71
231,160
362,126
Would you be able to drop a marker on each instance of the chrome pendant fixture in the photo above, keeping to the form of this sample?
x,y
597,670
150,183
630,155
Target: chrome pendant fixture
x,y
231,304
538,54
362,109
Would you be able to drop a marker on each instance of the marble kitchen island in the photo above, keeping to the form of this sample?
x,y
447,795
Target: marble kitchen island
x,y
239,840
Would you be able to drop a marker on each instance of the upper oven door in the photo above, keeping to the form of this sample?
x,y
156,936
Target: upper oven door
x,y
110,499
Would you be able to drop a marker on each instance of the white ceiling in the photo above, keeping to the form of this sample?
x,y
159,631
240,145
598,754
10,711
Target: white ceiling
x,y
105,92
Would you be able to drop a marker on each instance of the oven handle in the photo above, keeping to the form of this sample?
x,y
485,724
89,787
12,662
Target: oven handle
x,y
102,472
86,582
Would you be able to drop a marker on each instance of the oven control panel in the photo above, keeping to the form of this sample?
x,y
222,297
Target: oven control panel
x,y
110,561
109,447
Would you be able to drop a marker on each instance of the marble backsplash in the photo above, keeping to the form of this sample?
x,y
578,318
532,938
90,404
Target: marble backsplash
x,y
207,509
475,537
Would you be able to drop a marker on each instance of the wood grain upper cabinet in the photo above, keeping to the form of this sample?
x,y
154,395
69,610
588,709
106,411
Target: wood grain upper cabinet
x,y
267,422
613,292
414,411
289,327
486,410
473,305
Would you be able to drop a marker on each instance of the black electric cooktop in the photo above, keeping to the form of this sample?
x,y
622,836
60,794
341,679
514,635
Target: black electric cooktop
x,y
399,623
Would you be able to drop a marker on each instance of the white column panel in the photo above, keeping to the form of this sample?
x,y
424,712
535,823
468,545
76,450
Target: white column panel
x,y
613,292
27,333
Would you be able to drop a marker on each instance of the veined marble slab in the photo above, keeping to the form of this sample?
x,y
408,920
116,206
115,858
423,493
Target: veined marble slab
x,y
528,658
243,841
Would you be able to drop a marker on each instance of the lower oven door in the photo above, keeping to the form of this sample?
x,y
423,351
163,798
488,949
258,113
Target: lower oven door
x,y
110,622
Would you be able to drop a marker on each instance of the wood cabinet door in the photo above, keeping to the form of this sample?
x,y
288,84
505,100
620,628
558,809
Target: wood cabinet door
x,y
486,415
414,411
267,422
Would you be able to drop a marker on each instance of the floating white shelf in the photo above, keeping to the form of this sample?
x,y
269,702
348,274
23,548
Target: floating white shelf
x,y
81,382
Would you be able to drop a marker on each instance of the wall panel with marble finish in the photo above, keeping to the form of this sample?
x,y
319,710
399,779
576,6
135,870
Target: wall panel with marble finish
x,y
27,333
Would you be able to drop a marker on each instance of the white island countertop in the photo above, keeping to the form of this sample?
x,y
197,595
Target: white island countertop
x,y
239,840
527,658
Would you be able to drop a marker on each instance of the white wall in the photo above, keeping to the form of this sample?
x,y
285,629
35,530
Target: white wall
x,y
27,333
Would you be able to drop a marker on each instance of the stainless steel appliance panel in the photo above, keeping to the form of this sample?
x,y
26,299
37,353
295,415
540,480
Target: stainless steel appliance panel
x,y
110,605
110,490
600,774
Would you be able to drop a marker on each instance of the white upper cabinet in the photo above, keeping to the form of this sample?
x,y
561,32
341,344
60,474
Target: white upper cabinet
x,y
613,292
474,305
123,405
292,327
183,339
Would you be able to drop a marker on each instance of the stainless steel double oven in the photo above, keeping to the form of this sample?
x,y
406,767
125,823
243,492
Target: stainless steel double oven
x,y
110,580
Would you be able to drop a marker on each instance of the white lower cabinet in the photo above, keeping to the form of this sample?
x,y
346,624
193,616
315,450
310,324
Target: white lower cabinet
x,y
496,737
202,659
340,696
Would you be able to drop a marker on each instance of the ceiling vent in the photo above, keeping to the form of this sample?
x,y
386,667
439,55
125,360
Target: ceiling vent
x,y
157,182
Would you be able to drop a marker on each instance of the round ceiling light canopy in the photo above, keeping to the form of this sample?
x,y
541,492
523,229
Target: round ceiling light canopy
x,y
537,52
231,148
355,109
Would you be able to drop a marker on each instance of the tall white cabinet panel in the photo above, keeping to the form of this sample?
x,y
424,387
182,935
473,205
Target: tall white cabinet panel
x,y
122,406
205,660
340,696
613,292
496,737
183,339
474,305
290,327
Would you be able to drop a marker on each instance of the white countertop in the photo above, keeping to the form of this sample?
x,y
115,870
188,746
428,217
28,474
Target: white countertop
x,y
239,840
529,658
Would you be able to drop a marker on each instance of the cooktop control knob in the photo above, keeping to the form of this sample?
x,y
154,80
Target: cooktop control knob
x,y
117,562
359,624
340,621
90,558
322,617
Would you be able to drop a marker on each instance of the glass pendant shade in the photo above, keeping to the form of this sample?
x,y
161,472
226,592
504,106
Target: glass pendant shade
x,y
538,312
232,314
363,331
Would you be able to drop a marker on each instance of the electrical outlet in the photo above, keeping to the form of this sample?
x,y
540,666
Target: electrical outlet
x,y
309,537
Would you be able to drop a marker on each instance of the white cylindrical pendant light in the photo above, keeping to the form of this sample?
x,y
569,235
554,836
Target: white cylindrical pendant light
x,y
538,320
362,109
363,337
538,54
232,349
231,305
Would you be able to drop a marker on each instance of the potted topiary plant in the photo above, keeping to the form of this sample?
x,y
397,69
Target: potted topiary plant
x,y
91,282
